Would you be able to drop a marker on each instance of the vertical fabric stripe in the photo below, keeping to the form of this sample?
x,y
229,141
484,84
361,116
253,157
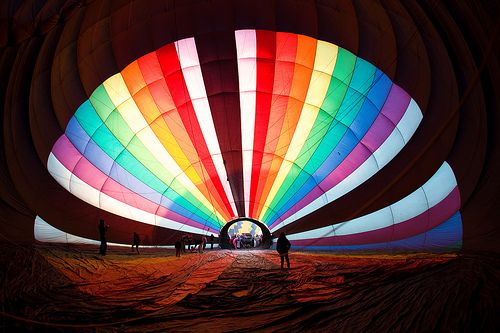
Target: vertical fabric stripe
x,y
247,69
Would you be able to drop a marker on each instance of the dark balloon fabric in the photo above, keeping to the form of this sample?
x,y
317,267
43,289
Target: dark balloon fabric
x,y
347,125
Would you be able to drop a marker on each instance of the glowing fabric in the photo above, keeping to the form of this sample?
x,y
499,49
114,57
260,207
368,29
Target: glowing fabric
x,y
153,143
428,218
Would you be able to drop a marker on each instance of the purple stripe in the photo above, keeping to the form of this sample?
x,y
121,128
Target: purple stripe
x,y
416,225
394,108
66,153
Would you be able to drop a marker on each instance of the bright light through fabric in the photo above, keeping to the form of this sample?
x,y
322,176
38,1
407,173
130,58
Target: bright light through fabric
x,y
426,219
244,227
160,143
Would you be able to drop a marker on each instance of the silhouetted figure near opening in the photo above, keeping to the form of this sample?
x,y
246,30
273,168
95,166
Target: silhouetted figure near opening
x,y
102,237
203,243
197,244
178,247
282,246
211,241
183,243
135,242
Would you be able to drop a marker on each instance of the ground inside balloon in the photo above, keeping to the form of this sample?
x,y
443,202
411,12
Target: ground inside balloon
x,y
72,287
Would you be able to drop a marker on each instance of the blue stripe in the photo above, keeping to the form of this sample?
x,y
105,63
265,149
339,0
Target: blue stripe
x,y
95,155
442,238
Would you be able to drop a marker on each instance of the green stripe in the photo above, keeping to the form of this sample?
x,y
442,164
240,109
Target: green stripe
x,y
326,133
127,158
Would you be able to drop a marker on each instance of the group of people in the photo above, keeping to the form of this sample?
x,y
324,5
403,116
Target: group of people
x,y
238,241
199,244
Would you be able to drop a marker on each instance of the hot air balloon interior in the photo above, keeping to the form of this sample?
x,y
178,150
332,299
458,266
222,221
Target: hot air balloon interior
x,y
164,160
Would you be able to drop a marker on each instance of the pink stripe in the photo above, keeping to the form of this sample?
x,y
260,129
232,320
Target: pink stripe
x,y
66,153
395,106
64,147
415,226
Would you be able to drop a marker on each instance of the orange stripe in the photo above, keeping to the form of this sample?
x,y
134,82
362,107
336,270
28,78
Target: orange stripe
x,y
304,64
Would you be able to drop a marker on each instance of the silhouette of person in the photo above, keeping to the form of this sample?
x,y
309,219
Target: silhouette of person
x,y
183,243
135,242
211,241
178,247
102,237
282,246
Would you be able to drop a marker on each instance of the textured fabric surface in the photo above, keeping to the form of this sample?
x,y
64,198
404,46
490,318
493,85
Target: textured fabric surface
x,y
57,289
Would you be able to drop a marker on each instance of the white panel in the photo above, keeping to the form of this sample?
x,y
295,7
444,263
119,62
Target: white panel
x,y
247,139
247,75
58,171
377,220
246,42
44,232
390,148
188,57
186,50
410,206
47,233
410,120
246,49
85,191
436,189
440,185
354,179
194,82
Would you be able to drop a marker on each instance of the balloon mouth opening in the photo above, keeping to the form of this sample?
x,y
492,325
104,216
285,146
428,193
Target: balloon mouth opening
x,y
245,240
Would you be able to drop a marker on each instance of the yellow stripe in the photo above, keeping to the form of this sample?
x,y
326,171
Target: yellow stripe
x,y
118,92
324,64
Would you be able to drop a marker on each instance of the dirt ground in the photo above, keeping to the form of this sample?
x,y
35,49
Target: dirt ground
x,y
60,288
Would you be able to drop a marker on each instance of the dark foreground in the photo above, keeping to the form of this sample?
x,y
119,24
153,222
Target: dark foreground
x,y
71,289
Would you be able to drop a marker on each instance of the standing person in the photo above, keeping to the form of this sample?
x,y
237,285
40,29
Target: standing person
x,y
102,237
238,241
203,242
135,242
178,246
282,246
183,243
211,241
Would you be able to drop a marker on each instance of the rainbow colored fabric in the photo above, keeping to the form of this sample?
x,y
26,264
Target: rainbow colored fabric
x,y
313,121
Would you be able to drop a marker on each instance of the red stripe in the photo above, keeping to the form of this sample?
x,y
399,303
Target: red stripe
x,y
266,53
174,78
286,49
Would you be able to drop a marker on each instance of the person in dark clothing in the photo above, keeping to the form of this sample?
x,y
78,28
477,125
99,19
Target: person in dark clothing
x,y
282,246
178,246
211,241
183,243
102,237
135,242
